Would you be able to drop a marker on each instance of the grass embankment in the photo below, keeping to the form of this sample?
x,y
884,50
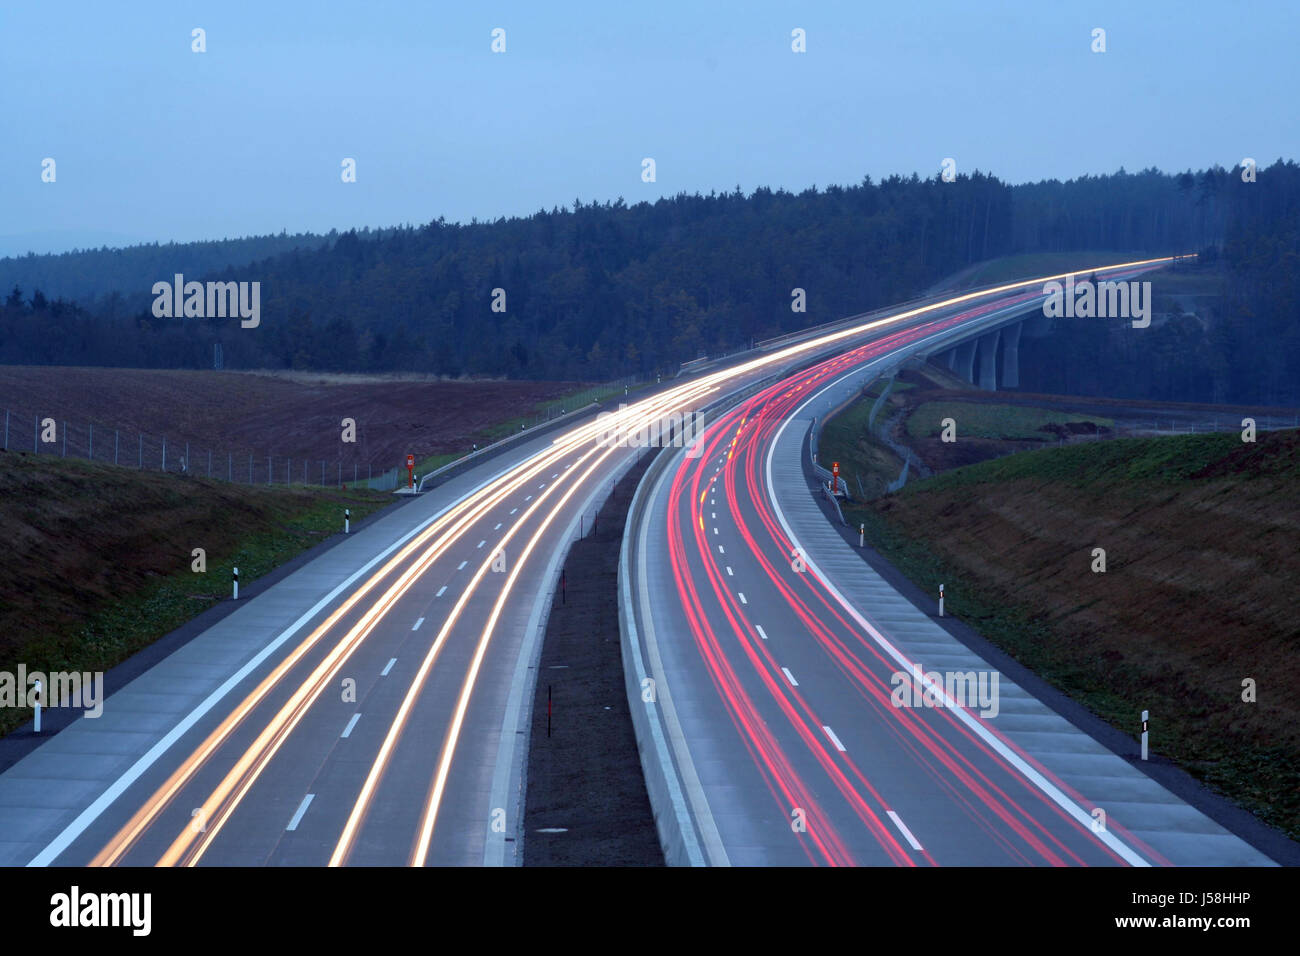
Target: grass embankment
x,y
975,420
1200,534
867,464
98,559
542,411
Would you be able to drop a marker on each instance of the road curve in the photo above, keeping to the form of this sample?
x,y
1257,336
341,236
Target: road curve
x,y
793,708
372,708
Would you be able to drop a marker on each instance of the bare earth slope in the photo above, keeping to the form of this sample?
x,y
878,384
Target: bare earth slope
x,y
1202,544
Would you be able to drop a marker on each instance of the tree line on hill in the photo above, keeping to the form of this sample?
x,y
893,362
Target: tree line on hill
x,y
604,290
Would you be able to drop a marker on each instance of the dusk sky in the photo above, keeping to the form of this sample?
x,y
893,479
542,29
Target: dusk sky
x,y
155,142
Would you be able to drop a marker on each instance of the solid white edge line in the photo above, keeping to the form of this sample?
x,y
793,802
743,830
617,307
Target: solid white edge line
x,y
510,772
91,813
347,731
902,828
663,721
1084,819
302,808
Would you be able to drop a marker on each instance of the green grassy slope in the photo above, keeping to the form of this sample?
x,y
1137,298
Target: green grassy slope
x,y
1200,534
97,560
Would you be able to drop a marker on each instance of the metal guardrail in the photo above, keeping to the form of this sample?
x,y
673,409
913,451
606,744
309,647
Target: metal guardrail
x,y
488,451
679,835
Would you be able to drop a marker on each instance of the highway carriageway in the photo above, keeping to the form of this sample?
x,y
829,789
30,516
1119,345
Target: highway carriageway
x,y
773,736
372,707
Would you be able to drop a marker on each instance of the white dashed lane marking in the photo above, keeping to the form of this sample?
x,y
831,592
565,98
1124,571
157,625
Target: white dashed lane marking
x,y
835,740
902,828
416,625
761,633
388,667
302,808
789,677
441,591
347,731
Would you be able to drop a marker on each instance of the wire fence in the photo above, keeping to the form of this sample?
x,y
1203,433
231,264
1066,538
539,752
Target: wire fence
x,y
44,435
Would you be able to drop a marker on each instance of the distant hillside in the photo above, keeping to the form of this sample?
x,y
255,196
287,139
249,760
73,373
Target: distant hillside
x,y
605,290
90,276
1199,534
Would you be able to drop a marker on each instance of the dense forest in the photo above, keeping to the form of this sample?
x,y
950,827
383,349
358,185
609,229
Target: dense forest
x,y
603,290
1243,347
112,278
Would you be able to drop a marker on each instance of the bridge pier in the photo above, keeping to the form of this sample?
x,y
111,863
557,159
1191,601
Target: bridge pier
x,y
989,361
1011,356
964,360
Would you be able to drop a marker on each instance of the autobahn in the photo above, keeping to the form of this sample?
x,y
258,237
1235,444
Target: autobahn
x,y
373,708
789,722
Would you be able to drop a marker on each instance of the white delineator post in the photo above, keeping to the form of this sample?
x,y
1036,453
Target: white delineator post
x,y
941,600
37,707
862,535
1144,734
234,575
347,520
